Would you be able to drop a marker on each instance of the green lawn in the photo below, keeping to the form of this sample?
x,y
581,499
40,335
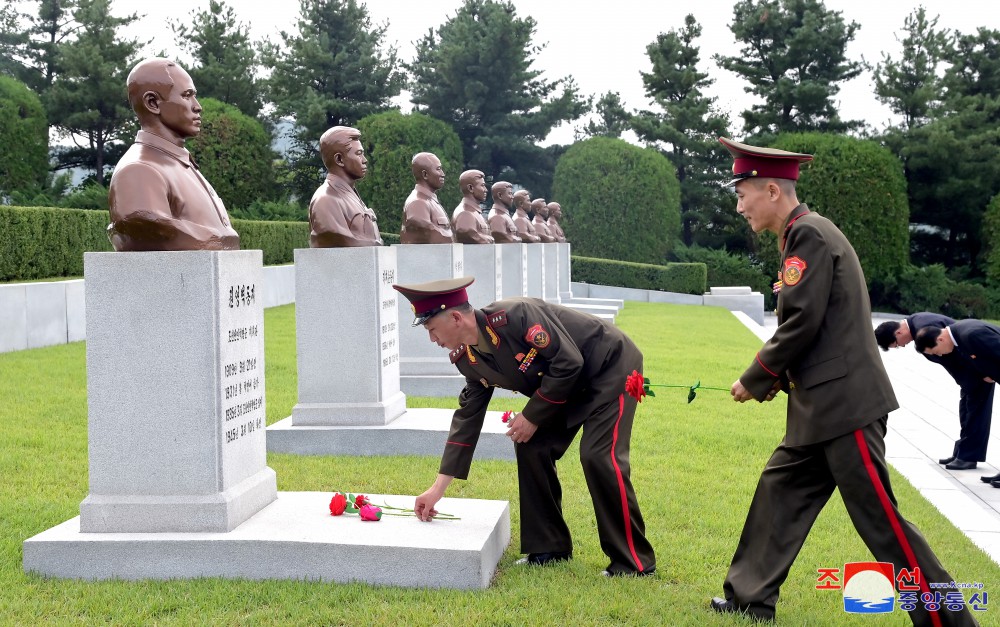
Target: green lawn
x,y
694,468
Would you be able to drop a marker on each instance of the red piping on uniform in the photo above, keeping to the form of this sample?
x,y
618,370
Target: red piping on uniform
x,y
456,443
897,528
621,485
769,371
542,396
785,235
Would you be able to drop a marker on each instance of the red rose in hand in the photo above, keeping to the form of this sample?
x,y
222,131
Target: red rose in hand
x,y
634,386
360,501
370,512
338,504
508,417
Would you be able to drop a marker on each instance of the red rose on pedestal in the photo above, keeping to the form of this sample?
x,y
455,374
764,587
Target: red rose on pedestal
x,y
370,512
338,504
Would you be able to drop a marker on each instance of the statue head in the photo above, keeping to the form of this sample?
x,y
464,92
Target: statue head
x,y
426,168
503,193
473,184
343,154
164,99
522,199
538,207
555,210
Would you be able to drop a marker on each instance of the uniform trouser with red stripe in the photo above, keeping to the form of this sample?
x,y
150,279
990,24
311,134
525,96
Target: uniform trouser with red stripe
x,y
794,487
604,454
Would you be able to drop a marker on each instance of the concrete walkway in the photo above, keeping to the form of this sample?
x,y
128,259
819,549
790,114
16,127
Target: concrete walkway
x,y
924,430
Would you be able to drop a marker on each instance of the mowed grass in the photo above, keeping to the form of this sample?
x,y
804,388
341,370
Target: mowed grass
x,y
694,467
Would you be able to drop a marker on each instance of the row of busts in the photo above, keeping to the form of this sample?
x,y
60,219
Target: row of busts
x,y
339,218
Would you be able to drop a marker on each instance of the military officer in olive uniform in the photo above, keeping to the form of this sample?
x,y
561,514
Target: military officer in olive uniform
x,y
572,367
824,356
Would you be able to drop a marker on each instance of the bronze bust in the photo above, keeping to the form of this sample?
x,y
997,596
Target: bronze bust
x,y
501,224
468,223
158,199
555,215
338,218
522,201
541,211
424,219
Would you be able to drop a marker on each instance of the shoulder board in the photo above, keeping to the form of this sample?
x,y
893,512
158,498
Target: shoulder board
x,y
456,354
498,319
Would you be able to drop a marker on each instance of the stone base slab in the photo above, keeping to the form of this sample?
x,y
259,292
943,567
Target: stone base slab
x,y
419,431
373,413
441,385
295,537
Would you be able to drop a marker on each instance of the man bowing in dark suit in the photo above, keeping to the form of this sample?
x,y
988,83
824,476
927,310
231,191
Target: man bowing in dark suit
x,y
824,357
975,407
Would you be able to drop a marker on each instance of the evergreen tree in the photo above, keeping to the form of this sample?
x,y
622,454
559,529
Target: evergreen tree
x,y
225,61
794,57
687,129
910,85
612,118
30,43
333,71
87,101
24,159
474,72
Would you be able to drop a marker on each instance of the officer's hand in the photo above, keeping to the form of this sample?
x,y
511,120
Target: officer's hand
x,y
774,391
423,508
521,429
740,393
988,380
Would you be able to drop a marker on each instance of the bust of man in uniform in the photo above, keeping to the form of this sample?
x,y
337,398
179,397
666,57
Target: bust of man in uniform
x,y
424,219
467,221
541,211
158,199
338,218
501,224
522,201
555,214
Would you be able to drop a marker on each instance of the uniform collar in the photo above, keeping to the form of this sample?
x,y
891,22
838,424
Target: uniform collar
x,y
153,140
796,213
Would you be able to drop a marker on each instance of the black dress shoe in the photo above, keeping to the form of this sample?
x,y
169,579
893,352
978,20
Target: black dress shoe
x,y
759,613
946,460
995,483
629,573
991,478
961,464
541,559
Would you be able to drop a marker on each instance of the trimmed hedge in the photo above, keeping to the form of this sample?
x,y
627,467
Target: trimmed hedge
x,y
683,278
860,186
46,242
24,157
620,201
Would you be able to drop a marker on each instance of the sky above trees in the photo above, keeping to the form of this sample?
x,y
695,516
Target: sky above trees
x,y
604,50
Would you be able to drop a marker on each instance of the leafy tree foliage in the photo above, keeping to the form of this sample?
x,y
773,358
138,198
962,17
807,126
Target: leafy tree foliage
x,y
687,127
794,57
333,71
225,60
390,140
859,185
991,241
24,159
620,201
234,153
474,72
87,101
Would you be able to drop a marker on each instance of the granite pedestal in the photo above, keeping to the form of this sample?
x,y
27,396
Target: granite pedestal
x,y
535,270
175,391
485,262
565,291
179,486
515,270
550,279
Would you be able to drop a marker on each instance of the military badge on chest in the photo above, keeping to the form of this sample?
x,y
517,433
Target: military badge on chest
x,y
537,336
526,359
